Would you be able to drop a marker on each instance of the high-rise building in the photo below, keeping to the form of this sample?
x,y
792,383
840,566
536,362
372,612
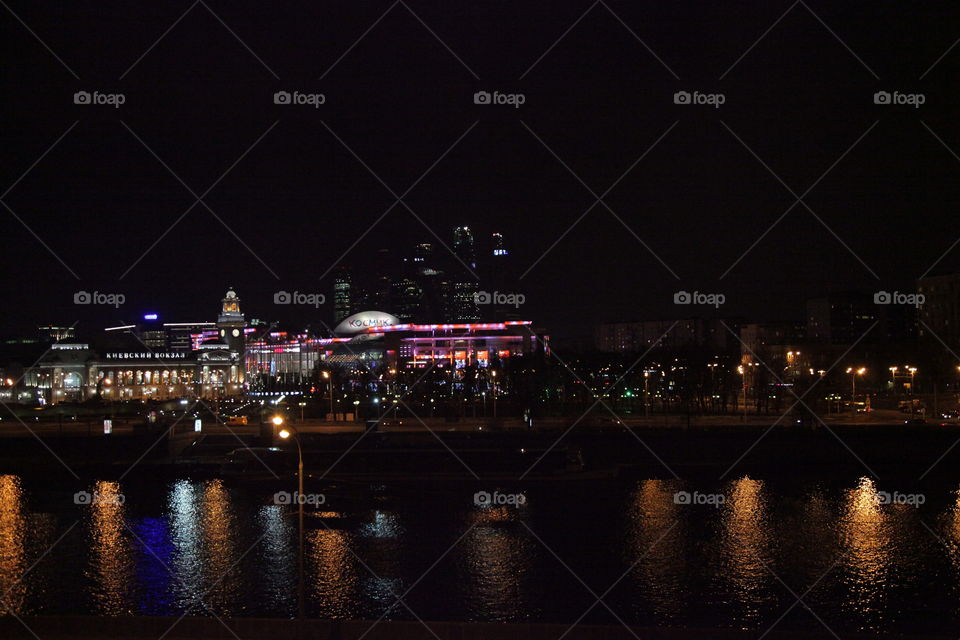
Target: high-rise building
x,y
342,294
463,247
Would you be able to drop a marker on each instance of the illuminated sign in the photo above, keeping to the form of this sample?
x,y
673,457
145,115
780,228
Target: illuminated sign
x,y
366,320
146,355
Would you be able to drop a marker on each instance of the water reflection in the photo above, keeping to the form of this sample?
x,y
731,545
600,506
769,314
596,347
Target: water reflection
x,y
746,553
656,538
498,553
204,533
111,558
279,579
330,562
13,533
866,546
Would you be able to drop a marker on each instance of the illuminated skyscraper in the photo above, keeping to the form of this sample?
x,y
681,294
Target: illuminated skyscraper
x,y
343,294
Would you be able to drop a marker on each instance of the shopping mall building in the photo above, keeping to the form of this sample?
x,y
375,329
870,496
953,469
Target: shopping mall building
x,y
378,341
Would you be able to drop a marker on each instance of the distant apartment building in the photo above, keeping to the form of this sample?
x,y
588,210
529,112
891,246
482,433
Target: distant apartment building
x,y
940,312
666,335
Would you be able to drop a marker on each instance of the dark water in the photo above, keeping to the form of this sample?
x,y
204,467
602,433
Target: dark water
x,y
203,546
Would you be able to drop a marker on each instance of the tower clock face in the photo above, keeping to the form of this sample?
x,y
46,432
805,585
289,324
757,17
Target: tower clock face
x,y
236,332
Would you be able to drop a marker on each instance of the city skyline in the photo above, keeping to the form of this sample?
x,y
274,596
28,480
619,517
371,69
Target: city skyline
x,y
439,319
296,185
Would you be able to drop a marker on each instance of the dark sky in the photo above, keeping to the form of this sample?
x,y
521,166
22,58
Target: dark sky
x,y
402,94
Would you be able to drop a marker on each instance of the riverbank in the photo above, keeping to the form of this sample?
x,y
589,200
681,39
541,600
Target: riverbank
x,y
898,450
171,628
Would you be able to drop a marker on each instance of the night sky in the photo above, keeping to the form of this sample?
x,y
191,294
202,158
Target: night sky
x,y
598,80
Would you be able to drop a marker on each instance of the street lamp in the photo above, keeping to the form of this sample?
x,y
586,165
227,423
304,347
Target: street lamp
x,y
494,374
893,378
326,376
853,379
287,434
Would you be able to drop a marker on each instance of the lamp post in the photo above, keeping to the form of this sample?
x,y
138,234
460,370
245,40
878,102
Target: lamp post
x,y
913,392
494,374
646,394
853,381
326,376
285,434
743,383
893,378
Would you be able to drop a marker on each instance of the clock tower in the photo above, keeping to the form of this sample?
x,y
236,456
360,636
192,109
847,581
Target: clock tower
x,y
231,324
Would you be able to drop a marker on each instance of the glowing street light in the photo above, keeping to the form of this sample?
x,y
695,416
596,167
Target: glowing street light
x,y
286,434
853,378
